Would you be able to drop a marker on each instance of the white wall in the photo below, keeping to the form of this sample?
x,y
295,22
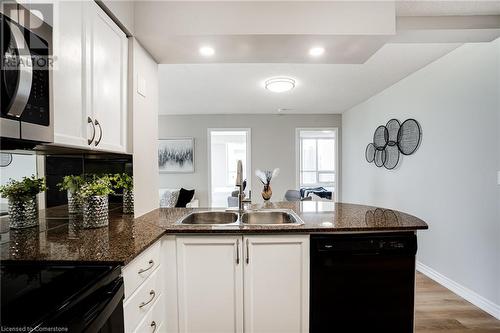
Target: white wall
x,y
145,128
273,146
451,181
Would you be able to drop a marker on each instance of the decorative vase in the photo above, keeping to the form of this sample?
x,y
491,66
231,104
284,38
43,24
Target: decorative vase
x,y
74,203
128,201
267,192
23,213
95,211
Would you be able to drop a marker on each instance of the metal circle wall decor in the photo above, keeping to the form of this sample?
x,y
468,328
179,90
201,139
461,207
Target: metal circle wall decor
x,y
409,136
392,140
380,137
5,159
391,157
380,158
370,153
393,126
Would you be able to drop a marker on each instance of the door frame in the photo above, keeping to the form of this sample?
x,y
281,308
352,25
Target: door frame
x,y
209,155
336,194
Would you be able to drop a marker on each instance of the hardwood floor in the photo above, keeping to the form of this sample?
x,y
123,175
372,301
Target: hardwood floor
x,y
438,310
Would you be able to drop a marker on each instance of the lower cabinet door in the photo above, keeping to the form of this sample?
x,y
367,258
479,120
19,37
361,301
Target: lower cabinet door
x,y
276,283
210,284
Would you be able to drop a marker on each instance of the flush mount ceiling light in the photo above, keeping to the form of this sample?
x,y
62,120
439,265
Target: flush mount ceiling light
x,y
207,51
316,51
279,84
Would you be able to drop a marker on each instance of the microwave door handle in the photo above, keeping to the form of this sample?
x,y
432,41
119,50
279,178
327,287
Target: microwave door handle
x,y
23,90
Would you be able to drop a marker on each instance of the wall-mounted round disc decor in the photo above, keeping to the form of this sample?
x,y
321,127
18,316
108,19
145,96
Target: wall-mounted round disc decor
x,y
391,157
380,137
380,157
409,136
5,159
370,152
392,140
393,126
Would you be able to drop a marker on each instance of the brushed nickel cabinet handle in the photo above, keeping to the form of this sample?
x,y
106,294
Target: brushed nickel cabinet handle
x,y
248,252
153,294
237,251
151,265
153,325
89,121
100,132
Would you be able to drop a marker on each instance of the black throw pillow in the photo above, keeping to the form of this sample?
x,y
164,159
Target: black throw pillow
x,y
185,197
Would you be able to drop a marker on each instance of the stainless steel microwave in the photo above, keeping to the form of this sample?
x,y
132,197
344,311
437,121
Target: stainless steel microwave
x,y
26,103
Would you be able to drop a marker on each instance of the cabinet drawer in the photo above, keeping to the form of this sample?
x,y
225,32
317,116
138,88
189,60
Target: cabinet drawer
x,y
153,321
135,273
142,300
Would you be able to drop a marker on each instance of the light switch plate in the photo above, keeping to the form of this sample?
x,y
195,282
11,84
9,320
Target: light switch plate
x,y
141,85
498,177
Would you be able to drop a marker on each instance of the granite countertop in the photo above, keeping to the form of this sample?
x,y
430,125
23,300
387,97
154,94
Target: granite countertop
x,y
59,237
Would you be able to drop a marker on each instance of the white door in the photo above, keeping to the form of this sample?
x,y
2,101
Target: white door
x,y
276,287
108,80
70,116
210,284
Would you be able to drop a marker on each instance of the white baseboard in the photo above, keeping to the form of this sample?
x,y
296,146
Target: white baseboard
x,y
467,294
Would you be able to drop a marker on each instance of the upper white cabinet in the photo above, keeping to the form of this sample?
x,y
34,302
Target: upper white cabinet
x,y
90,80
70,115
107,80
210,284
225,281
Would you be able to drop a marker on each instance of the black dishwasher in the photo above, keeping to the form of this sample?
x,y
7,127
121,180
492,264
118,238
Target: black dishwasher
x,y
362,282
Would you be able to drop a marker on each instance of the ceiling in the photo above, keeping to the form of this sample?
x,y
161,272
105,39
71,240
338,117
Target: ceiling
x,y
321,88
369,46
446,8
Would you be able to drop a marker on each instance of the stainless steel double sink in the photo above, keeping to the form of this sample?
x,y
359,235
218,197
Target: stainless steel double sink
x,y
252,217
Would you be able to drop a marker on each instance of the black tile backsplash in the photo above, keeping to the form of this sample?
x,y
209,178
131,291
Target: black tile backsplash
x,y
56,167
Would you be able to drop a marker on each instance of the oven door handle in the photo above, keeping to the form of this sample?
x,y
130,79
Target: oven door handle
x,y
113,302
23,89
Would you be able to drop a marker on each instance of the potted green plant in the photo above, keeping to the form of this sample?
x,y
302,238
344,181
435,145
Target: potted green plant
x,y
23,204
125,182
94,194
72,185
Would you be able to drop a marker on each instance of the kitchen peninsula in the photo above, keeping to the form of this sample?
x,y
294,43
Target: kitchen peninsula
x,y
304,269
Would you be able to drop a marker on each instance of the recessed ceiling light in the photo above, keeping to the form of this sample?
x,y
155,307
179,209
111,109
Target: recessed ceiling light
x,y
316,51
207,51
279,84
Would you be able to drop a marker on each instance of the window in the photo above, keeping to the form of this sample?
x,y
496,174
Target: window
x,y
317,158
227,146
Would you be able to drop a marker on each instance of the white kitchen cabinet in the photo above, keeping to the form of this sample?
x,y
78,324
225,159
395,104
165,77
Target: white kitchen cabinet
x,y
70,115
106,62
90,79
276,288
210,284
243,283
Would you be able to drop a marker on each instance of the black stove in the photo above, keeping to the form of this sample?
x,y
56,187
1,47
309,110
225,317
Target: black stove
x,y
61,297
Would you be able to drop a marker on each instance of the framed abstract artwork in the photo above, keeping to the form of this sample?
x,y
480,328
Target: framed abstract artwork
x,y
176,155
